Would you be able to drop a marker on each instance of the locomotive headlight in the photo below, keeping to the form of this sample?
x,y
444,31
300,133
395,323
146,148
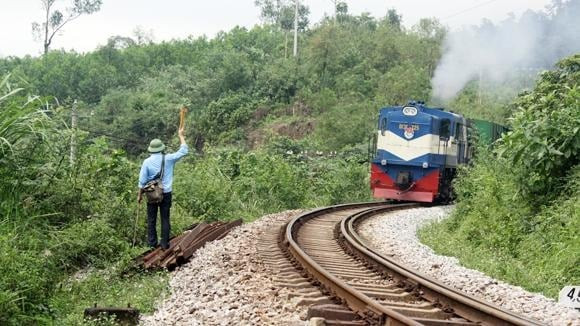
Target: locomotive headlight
x,y
383,162
410,110
425,165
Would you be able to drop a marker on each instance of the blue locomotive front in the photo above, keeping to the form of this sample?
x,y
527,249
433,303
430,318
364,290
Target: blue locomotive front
x,y
418,150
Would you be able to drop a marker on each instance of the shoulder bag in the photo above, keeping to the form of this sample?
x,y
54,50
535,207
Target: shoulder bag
x,y
154,188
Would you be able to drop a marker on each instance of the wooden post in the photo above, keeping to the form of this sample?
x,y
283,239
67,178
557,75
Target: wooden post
x,y
73,124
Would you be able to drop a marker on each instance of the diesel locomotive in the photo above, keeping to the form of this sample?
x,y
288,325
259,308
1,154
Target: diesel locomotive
x,y
418,149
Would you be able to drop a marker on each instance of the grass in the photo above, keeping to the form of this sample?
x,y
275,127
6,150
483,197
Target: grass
x,y
107,288
487,260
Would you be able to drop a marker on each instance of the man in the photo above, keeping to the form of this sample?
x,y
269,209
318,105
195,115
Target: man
x,y
150,168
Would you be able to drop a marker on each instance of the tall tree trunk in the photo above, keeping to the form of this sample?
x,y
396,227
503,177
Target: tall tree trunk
x,y
46,22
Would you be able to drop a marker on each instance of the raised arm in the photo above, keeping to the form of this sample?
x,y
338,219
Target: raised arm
x,y
183,149
181,134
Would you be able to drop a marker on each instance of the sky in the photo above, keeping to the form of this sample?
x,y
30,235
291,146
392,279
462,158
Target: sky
x,y
178,19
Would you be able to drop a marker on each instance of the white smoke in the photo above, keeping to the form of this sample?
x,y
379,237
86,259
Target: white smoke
x,y
535,40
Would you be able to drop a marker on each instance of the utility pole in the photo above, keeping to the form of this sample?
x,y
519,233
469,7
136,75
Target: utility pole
x,y
73,141
296,29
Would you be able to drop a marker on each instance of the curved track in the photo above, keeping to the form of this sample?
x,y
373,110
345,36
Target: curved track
x,y
326,245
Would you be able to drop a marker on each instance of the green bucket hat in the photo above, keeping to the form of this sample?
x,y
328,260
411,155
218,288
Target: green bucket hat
x,y
156,146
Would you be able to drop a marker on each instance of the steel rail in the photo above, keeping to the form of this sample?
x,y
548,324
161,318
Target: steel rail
x,y
474,310
467,307
354,299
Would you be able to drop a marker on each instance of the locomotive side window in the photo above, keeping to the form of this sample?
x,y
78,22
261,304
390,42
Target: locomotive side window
x,y
383,126
444,129
459,132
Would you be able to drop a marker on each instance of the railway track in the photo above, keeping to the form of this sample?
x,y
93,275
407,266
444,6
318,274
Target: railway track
x,y
324,247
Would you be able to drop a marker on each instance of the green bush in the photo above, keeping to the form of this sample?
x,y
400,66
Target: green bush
x,y
270,180
224,116
88,243
552,246
204,190
545,136
228,183
346,124
339,181
481,185
26,276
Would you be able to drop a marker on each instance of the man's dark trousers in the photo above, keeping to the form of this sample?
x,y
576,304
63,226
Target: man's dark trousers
x,y
164,207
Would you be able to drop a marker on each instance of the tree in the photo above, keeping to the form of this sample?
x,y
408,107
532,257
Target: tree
x,y
281,14
120,42
394,19
341,9
143,36
55,19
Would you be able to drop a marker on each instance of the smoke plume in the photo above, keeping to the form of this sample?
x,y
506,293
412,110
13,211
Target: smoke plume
x,y
497,51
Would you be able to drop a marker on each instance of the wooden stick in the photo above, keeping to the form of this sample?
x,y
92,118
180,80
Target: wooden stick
x,y
182,113
137,211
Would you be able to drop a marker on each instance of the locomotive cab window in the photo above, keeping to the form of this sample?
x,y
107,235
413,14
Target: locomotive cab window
x,y
444,129
383,126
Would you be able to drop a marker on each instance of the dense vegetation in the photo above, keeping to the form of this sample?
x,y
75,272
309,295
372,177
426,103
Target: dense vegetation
x,y
518,211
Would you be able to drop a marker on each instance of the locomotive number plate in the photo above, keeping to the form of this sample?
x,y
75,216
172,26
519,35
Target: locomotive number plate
x,y
405,126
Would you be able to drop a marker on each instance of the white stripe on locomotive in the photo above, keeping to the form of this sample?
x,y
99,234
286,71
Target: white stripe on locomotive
x,y
414,148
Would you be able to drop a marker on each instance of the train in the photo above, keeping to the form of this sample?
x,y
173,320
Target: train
x,y
418,149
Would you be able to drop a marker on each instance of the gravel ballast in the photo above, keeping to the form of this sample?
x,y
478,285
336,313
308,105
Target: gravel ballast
x,y
225,283
394,233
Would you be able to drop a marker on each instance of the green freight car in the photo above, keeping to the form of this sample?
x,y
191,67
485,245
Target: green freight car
x,y
486,132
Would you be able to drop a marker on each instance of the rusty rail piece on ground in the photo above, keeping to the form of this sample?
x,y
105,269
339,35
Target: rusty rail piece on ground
x,y
325,244
182,247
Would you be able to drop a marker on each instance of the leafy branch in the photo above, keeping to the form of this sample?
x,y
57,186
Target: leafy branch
x,y
55,19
